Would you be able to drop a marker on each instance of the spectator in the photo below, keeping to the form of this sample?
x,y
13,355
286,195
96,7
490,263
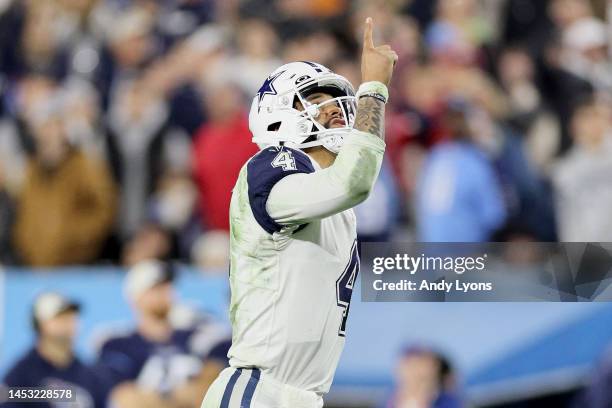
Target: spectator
x,y
38,47
139,141
84,124
459,198
157,364
215,168
585,53
424,379
529,115
129,45
563,86
527,198
172,207
67,201
52,361
16,141
583,188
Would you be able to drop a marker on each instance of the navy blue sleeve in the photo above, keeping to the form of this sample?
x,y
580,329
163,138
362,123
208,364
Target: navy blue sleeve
x,y
264,171
25,373
115,363
18,377
219,352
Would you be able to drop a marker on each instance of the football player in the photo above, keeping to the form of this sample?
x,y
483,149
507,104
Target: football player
x,y
294,256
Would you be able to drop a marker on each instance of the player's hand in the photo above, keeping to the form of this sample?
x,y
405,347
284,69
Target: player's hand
x,y
376,62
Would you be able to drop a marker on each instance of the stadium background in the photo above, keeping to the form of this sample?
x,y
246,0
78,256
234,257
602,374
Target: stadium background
x,y
140,108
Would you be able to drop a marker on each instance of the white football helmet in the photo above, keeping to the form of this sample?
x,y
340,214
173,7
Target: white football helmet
x,y
274,121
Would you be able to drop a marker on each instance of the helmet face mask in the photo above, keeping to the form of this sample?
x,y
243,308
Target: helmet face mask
x,y
274,119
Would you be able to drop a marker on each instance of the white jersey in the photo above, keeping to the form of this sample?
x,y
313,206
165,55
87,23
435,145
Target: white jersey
x,y
294,259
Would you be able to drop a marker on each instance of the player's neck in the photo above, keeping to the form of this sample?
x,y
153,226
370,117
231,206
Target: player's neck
x,y
321,155
57,353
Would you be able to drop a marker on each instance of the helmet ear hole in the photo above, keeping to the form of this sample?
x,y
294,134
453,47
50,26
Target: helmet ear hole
x,y
273,127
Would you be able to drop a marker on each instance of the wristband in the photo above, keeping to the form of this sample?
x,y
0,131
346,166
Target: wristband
x,y
373,87
375,95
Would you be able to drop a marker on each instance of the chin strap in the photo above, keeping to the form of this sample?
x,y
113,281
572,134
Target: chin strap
x,y
333,143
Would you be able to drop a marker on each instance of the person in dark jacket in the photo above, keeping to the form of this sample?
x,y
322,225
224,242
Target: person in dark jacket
x,y
52,362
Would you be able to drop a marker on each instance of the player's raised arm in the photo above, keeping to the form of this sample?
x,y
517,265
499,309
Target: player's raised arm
x,y
301,198
376,69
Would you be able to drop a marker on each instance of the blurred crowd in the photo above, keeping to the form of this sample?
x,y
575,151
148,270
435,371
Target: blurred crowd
x,y
123,123
166,360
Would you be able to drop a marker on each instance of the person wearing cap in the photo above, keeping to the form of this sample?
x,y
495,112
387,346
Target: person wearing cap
x,y
157,364
52,362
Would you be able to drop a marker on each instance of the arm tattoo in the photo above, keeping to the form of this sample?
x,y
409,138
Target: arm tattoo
x,y
371,116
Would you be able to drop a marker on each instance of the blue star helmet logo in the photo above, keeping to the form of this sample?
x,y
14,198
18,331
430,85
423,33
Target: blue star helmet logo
x,y
267,88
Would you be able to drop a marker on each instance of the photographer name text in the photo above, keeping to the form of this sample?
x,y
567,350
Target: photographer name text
x,y
427,286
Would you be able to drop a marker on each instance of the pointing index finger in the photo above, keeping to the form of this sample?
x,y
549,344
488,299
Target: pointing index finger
x,y
367,34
